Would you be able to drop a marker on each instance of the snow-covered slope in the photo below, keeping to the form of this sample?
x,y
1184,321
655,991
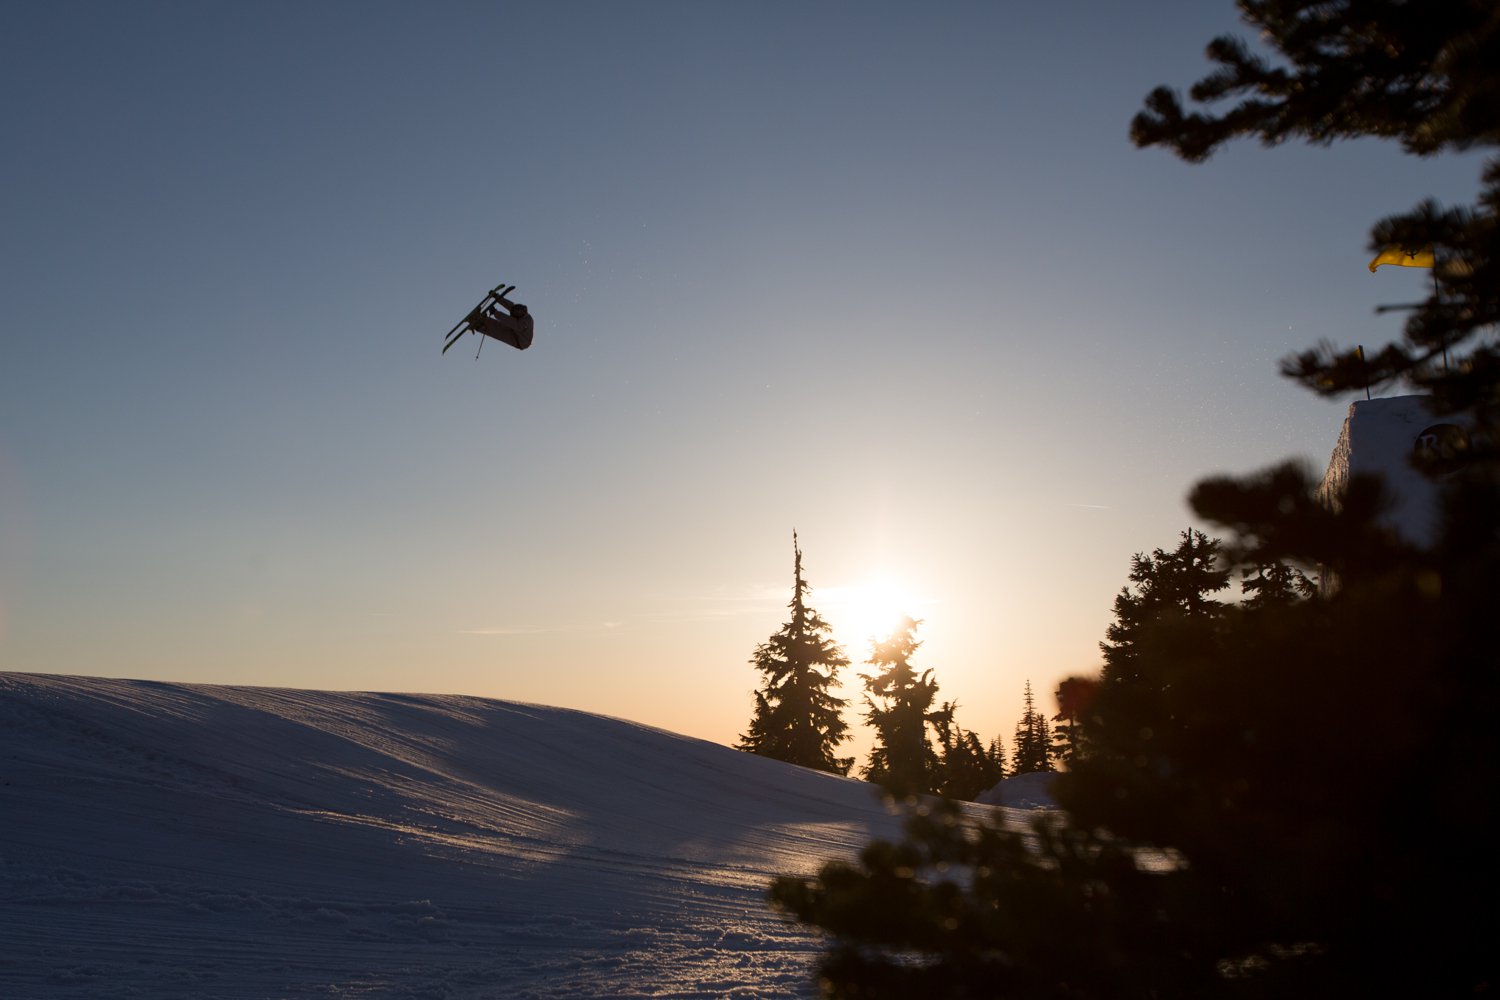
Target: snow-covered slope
x,y
171,840
1024,791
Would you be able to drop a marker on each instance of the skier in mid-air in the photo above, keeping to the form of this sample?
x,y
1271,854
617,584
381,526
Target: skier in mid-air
x,y
511,324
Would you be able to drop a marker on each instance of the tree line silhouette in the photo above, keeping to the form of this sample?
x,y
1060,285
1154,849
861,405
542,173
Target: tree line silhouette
x,y
919,746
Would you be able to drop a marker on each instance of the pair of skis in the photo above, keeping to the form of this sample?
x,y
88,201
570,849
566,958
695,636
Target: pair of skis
x,y
496,296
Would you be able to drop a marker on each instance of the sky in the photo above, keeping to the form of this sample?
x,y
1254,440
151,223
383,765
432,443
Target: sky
x,y
890,276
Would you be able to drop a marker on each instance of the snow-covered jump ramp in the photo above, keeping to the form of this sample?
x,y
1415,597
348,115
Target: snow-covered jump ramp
x,y
175,840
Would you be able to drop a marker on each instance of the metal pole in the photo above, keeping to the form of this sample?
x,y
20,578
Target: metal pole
x,y
1437,296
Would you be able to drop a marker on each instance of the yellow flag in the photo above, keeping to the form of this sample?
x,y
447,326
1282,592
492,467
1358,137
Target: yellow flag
x,y
1403,258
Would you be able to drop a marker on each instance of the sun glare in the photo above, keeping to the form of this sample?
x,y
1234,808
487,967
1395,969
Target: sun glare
x,y
870,611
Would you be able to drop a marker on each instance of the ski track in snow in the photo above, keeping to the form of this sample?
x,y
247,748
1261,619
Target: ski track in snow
x,y
172,840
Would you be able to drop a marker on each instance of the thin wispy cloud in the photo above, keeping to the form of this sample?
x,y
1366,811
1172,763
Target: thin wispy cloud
x,y
721,604
541,629
747,594
730,602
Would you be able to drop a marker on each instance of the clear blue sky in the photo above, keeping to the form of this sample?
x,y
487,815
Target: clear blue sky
x,y
888,274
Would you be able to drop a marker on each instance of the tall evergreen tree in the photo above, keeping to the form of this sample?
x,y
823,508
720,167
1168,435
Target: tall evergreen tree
x,y
995,753
1176,583
797,717
899,707
1285,867
1168,588
1032,751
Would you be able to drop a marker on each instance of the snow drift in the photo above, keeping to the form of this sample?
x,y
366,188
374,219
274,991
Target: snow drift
x,y
174,840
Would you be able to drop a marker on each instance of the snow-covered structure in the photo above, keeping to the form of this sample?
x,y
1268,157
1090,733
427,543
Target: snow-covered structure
x,y
1379,438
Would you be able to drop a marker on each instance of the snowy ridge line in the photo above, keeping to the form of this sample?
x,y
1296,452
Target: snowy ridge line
x,y
177,840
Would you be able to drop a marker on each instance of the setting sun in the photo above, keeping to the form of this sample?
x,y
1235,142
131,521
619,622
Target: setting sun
x,y
869,611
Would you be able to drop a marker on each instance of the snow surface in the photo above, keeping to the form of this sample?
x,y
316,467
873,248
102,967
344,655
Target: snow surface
x,y
1024,791
174,840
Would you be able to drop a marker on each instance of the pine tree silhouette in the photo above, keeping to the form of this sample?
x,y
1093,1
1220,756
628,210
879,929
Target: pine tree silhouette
x,y
966,769
1032,751
797,717
899,707
1167,584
